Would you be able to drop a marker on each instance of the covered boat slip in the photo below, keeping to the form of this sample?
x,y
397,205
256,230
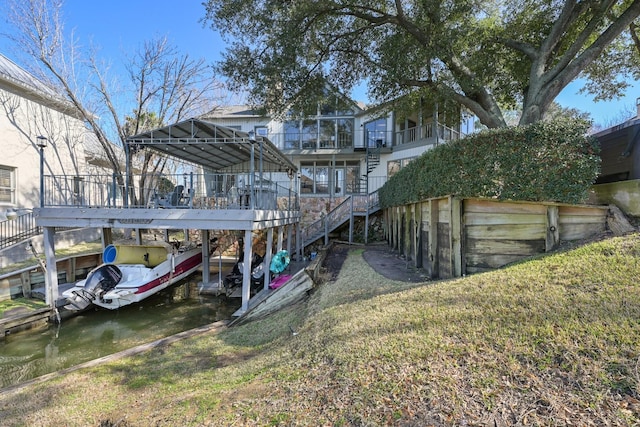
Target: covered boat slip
x,y
213,151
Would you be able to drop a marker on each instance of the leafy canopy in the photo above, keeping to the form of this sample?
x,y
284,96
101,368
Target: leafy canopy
x,y
487,55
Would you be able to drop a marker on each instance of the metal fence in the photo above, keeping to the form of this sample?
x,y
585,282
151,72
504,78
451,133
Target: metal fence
x,y
17,229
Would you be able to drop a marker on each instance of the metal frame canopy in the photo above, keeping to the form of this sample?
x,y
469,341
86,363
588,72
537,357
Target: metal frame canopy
x,y
217,148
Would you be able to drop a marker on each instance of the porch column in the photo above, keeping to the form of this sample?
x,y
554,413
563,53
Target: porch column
x,y
280,237
206,273
246,271
51,273
289,237
267,258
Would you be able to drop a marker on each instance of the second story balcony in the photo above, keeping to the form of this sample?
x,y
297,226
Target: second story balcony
x,y
313,140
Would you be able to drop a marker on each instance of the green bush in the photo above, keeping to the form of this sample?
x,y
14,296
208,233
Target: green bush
x,y
545,161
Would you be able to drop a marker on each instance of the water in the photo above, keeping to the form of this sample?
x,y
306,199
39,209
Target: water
x,y
100,332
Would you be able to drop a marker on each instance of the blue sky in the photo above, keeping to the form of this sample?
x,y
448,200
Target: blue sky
x,y
118,26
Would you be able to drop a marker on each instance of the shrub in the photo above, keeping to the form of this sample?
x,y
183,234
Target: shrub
x,y
545,161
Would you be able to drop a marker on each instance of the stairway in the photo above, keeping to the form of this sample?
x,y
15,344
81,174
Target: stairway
x,y
354,205
373,160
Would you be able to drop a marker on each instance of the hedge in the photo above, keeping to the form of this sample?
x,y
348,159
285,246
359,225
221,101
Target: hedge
x,y
545,161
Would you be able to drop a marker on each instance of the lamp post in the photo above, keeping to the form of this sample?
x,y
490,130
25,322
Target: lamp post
x,y
42,143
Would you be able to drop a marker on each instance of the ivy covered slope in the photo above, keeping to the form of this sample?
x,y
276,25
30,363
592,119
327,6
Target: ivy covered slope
x,y
545,161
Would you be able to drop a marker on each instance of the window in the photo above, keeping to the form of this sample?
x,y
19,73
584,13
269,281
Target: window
x,y
7,185
292,135
326,178
315,178
377,133
393,166
345,133
323,131
327,134
309,134
262,131
353,181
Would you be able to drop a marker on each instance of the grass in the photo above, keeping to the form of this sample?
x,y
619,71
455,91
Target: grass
x,y
551,341
79,249
25,303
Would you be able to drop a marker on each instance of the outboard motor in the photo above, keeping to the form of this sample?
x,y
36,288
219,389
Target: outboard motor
x,y
100,280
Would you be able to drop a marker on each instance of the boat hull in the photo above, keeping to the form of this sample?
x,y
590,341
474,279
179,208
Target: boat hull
x,y
137,282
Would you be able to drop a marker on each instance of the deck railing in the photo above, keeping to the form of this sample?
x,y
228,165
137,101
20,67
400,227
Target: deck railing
x,y
184,191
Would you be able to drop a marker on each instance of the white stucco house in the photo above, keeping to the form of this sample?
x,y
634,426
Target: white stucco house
x,y
33,114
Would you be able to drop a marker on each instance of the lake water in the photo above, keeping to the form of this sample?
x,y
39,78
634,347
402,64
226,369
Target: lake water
x,y
100,332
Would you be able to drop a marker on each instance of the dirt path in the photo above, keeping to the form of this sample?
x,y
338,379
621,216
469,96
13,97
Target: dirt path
x,y
381,258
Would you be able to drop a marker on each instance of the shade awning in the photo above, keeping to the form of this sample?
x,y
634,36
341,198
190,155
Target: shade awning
x,y
216,148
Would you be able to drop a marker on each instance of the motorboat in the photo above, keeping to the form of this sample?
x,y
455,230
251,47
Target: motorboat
x,y
131,273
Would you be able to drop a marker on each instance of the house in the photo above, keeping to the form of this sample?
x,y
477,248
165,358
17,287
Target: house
x,y
39,128
619,179
344,148
35,121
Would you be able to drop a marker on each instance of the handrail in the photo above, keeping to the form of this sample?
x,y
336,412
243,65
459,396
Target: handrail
x,y
369,203
13,231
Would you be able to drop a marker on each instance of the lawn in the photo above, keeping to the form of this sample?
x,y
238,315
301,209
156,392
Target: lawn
x,y
551,341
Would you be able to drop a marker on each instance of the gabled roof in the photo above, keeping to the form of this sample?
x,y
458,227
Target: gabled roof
x,y
217,148
20,81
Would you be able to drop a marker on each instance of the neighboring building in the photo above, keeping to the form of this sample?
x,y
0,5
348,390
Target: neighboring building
x,y
30,113
343,148
619,179
620,151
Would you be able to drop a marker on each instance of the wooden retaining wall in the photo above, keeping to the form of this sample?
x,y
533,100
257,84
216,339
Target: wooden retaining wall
x,y
450,237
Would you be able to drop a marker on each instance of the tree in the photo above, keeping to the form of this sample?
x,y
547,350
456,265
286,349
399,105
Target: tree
x,y
487,55
167,85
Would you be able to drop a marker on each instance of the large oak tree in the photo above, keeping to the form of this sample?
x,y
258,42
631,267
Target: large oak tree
x,y
488,55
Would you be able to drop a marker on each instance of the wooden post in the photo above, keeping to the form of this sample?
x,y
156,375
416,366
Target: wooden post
x,y
280,238
418,236
553,230
25,279
107,237
206,253
351,221
289,237
398,228
267,257
455,229
51,273
246,271
433,238
71,270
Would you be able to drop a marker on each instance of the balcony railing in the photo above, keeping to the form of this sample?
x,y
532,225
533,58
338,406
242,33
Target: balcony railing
x,y
362,139
426,132
178,191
